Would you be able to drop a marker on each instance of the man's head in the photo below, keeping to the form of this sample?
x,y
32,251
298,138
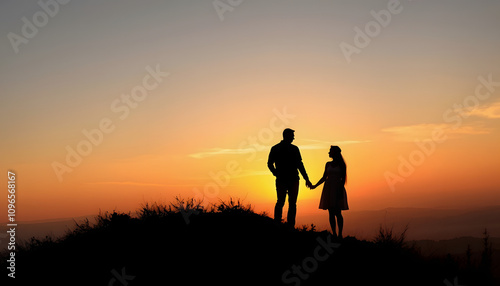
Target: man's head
x,y
288,135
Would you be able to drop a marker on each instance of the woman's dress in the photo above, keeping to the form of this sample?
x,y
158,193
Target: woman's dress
x,y
334,195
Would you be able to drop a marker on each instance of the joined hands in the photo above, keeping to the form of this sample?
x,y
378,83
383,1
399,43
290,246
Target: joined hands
x,y
310,185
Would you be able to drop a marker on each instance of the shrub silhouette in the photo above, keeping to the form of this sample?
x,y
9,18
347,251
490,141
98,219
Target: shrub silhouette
x,y
226,244
386,237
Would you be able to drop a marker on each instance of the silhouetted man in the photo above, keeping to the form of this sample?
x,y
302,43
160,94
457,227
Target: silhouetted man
x,y
284,161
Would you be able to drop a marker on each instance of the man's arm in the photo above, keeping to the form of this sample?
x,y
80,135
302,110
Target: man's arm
x,y
302,169
270,162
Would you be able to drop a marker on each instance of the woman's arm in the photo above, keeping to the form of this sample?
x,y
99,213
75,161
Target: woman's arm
x,y
323,179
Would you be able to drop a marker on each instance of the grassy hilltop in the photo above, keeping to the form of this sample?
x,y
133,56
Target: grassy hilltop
x,y
228,244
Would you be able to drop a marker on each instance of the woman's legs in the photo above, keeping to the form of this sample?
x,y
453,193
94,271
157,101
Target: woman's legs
x,y
340,219
331,213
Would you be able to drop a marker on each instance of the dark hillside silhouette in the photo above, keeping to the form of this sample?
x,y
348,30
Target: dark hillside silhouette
x,y
227,244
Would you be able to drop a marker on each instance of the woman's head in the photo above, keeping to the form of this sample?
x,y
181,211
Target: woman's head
x,y
335,152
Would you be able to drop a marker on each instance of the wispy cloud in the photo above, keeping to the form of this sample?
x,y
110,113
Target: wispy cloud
x,y
314,145
227,151
318,144
491,111
409,133
129,183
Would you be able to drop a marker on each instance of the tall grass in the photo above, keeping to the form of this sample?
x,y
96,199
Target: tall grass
x,y
387,237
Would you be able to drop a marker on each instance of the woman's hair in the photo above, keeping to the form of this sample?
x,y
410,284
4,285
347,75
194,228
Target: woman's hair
x,y
337,156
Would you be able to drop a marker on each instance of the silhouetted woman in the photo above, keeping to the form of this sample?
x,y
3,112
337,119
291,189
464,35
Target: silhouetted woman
x,y
334,196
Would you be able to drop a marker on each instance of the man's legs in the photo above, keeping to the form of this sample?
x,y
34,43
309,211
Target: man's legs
x,y
293,193
281,193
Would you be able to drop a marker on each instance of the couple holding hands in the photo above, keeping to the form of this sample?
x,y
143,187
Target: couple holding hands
x,y
285,163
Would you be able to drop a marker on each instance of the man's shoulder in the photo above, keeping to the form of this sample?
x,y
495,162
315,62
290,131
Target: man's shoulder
x,y
275,149
279,145
285,147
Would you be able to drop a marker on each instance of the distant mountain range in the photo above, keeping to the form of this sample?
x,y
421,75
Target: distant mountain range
x,y
41,228
423,223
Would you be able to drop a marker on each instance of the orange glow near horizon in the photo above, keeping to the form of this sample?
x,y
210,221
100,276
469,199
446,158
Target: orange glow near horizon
x,y
123,185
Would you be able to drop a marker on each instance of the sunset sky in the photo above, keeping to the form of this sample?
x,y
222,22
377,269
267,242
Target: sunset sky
x,y
214,83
